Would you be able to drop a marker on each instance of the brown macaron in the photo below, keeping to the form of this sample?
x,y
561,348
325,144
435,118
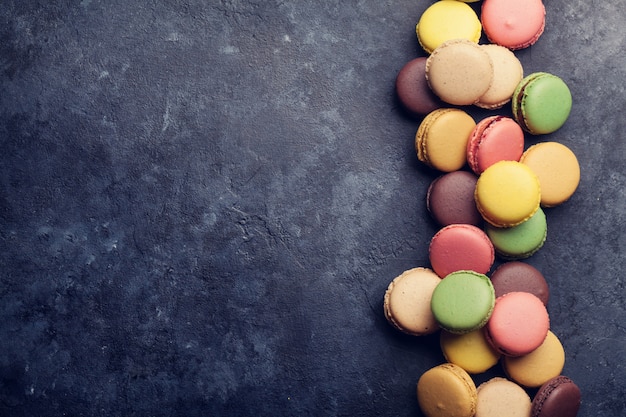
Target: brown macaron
x,y
450,199
413,91
558,397
519,276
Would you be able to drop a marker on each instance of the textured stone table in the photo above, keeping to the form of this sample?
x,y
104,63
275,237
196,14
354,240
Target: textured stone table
x,y
203,202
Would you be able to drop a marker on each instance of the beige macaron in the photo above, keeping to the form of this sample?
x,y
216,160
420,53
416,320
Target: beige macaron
x,y
459,72
499,397
407,301
507,73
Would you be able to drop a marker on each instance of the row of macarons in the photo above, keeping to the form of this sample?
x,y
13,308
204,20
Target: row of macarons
x,y
502,318
475,339
482,322
513,24
459,71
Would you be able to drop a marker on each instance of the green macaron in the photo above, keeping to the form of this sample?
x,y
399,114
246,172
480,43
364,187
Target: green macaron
x,y
521,241
463,301
541,103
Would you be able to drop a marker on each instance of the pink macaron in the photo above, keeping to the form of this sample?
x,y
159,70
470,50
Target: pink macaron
x,y
518,324
494,139
461,247
512,23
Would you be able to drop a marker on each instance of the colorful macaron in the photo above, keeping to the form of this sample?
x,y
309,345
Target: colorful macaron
x,y
407,301
499,397
507,73
446,387
463,301
445,20
459,72
450,199
512,23
539,366
558,397
507,193
557,168
520,276
441,139
521,241
541,103
518,324
470,351
494,139
460,247
413,91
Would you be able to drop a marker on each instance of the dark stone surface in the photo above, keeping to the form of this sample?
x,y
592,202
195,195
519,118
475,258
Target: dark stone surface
x,y
202,203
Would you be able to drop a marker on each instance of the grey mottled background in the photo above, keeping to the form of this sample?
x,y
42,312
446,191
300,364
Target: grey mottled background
x,y
202,203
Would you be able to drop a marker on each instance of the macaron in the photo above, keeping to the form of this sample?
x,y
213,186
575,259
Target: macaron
x,y
460,247
558,397
518,324
521,241
463,301
494,139
507,73
445,20
512,23
470,351
520,276
539,366
459,71
499,397
413,91
557,168
450,199
407,301
446,390
541,103
507,193
441,139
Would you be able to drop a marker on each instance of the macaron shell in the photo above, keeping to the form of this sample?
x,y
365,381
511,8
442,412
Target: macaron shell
x,y
445,20
519,276
413,91
494,139
518,324
539,366
470,351
558,397
512,23
463,301
557,168
542,103
459,72
446,391
521,241
460,247
507,193
500,397
407,301
450,199
507,73
441,139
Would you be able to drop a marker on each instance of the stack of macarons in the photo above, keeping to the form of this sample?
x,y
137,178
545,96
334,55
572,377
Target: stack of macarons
x,y
491,200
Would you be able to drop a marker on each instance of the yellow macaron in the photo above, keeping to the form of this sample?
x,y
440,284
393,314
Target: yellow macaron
x,y
471,351
445,20
557,168
539,366
507,193
441,139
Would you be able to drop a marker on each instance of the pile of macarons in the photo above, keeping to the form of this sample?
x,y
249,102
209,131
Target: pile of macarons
x,y
491,200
